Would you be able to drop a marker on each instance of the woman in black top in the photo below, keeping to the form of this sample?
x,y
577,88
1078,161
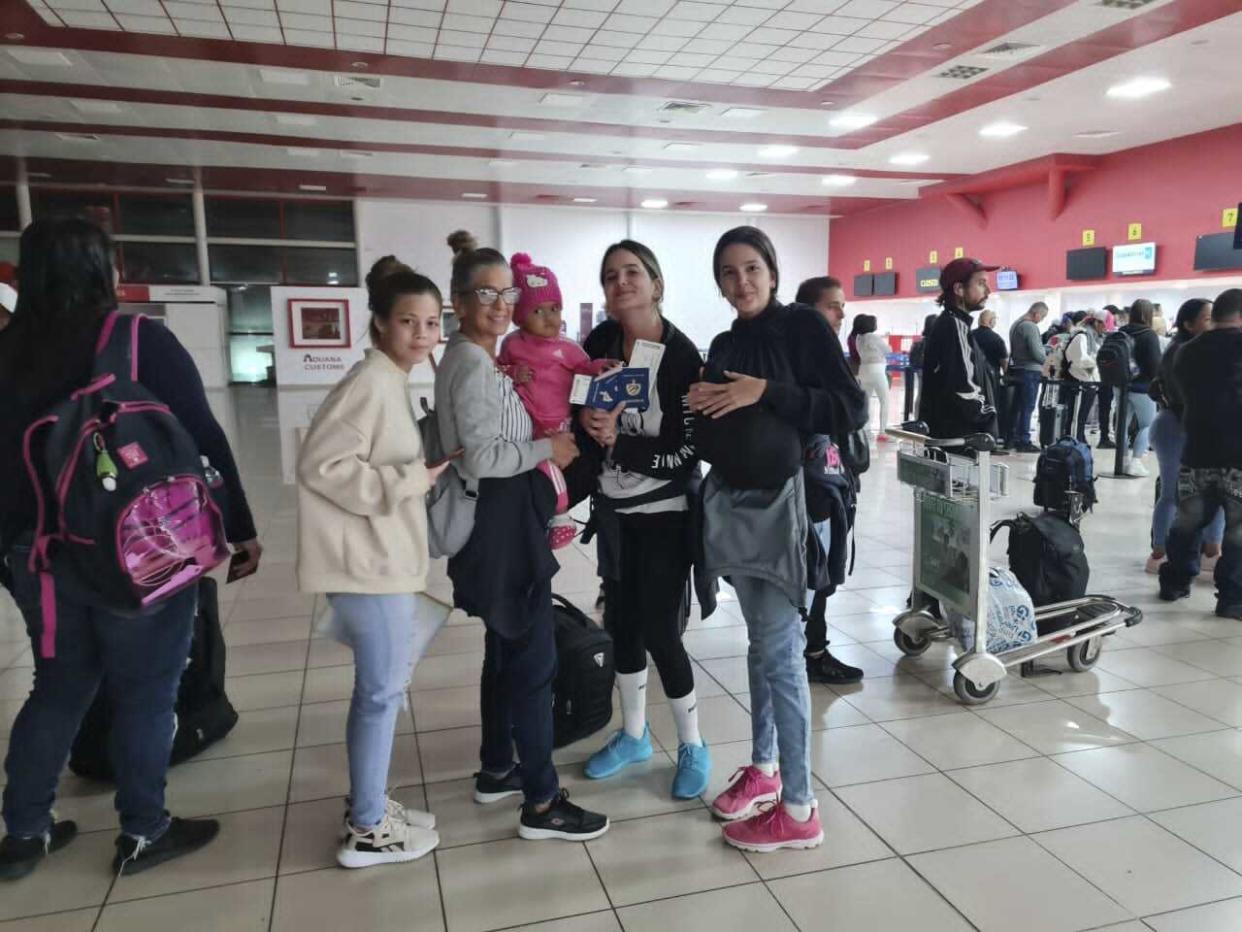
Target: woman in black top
x,y
67,292
1142,407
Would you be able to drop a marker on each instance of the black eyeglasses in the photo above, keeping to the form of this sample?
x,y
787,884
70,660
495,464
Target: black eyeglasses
x,y
488,296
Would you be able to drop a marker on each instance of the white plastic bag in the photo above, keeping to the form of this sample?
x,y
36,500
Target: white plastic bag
x,y
1011,615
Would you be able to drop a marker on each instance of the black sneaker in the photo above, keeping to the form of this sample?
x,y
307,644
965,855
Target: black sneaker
x,y
1106,444
183,836
19,856
489,789
1229,611
562,820
828,669
1026,448
1170,593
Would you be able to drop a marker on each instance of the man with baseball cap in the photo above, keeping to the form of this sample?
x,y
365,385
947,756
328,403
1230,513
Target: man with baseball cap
x,y
951,402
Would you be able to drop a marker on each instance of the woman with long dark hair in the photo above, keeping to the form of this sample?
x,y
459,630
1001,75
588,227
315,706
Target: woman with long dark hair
x,y
1142,407
67,292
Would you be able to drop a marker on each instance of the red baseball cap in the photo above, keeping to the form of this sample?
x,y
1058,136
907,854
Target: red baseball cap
x,y
959,271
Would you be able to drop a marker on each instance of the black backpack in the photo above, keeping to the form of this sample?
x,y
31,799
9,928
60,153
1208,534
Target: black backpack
x,y
1046,553
1115,360
204,713
582,691
1064,467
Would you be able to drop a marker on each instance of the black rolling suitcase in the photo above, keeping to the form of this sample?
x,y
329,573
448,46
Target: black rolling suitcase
x,y
582,692
204,713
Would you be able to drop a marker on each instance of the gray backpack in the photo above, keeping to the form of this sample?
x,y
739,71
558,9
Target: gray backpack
x,y
451,501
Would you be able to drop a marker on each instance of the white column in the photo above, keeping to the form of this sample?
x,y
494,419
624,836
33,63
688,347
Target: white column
x,y
24,213
200,234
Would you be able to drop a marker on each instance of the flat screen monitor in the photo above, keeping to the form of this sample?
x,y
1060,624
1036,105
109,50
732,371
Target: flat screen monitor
x,y
927,279
1237,230
864,285
1084,264
1006,280
885,284
1217,251
1134,259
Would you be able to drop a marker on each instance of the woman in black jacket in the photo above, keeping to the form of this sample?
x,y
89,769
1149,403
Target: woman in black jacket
x,y
642,516
1142,407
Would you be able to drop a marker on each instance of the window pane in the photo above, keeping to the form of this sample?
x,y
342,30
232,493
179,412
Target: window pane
x,y
245,264
250,310
246,360
160,263
8,209
331,221
243,217
151,215
94,205
307,265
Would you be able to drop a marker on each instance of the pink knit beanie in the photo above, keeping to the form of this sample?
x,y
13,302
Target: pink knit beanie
x,y
538,284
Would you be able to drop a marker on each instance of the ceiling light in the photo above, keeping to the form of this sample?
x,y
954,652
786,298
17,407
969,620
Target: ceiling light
x,y
359,65
942,46
301,153
1097,133
283,76
909,158
356,154
78,137
553,99
474,196
852,120
1002,129
502,163
312,187
179,180
41,57
722,174
526,137
741,113
96,106
837,181
585,200
827,103
637,170
14,36
577,83
1138,87
777,152
655,203
753,208
295,119
680,147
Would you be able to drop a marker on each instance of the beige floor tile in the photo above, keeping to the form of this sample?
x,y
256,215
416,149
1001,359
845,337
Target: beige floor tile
x,y
729,672
704,686
712,643
921,813
329,684
76,876
256,732
446,671
324,723
88,802
267,658
864,627
1145,714
1055,727
1037,794
590,922
437,709
323,770
1140,865
1219,699
268,631
743,907
395,896
1145,778
841,756
1210,827
1218,753
244,907
1091,683
16,683
896,697
325,652
880,895
449,755
263,690
458,639
1014,690
639,790
462,821
79,920
208,787
1225,916
1223,659
960,739
1013,885
721,720
873,665
312,832
247,848
1145,666
526,882
286,606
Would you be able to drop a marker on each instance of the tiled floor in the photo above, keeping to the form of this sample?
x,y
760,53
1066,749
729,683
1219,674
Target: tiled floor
x,y
1106,800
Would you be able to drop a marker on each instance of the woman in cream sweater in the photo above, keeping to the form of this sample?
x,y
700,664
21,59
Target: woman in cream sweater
x,y
362,539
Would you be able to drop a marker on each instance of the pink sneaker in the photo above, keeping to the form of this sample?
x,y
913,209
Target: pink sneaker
x,y
561,532
750,786
774,828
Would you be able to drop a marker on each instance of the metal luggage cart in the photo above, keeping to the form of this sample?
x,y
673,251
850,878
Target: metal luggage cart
x,y
952,532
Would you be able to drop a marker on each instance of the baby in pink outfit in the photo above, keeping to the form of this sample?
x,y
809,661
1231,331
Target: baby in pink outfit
x,y
543,364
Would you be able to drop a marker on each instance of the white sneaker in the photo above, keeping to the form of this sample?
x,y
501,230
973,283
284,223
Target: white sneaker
x,y
395,810
1135,468
393,841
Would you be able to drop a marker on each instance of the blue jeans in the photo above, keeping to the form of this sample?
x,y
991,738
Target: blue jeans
x,y
1168,439
388,638
1026,395
780,699
141,660
515,700
1143,410
1200,494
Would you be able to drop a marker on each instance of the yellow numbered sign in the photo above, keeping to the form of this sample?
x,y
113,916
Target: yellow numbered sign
x,y
933,258
1088,237
888,263
959,252
866,265
1229,218
1135,232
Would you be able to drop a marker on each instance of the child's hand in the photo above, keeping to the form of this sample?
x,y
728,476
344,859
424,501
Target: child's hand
x,y
434,472
564,449
522,374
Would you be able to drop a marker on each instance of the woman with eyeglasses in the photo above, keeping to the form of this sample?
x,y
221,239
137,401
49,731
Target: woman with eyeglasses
x,y
504,573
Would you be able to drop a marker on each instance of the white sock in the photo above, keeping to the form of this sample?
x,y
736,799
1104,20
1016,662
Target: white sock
x,y
633,689
768,770
799,813
686,715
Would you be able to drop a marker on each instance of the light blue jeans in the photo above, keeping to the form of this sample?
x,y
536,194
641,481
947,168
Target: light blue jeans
x,y
1168,439
780,699
388,638
1143,410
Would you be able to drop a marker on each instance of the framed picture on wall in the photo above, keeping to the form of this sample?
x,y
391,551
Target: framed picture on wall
x,y
449,323
317,323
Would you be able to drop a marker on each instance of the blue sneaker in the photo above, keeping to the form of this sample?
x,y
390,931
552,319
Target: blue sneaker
x,y
694,767
620,751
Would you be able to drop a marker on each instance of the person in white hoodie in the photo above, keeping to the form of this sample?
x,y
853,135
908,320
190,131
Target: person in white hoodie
x,y
1080,367
362,540
873,350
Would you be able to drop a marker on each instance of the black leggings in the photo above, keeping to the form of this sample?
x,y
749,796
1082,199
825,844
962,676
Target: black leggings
x,y
645,609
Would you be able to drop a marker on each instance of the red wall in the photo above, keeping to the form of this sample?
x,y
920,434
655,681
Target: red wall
x,y
1176,189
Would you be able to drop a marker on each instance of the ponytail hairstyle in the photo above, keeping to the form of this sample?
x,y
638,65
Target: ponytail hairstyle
x,y
381,269
462,241
467,262
387,290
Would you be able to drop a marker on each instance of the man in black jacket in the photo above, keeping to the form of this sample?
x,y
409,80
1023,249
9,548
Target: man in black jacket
x,y
1208,377
951,402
